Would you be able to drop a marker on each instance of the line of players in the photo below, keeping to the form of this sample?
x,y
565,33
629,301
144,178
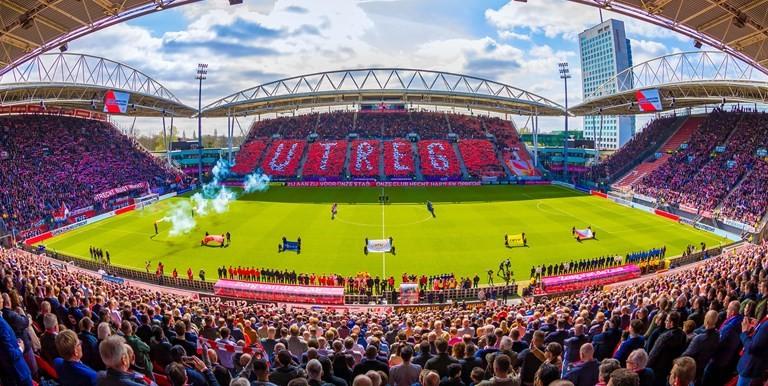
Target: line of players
x,y
383,199
99,255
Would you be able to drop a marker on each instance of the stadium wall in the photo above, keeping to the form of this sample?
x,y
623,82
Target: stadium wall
x,y
61,230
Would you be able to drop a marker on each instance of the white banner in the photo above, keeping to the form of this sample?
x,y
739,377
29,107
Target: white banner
x,y
382,245
739,225
644,198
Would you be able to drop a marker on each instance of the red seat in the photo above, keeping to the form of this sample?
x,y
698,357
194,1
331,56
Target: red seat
x,y
46,367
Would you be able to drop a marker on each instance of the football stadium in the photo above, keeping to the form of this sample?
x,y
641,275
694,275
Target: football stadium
x,y
377,211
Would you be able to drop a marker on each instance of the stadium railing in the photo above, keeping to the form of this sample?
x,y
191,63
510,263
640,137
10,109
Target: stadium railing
x,y
207,286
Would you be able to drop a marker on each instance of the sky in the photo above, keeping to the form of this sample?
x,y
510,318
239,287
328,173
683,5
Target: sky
x,y
264,40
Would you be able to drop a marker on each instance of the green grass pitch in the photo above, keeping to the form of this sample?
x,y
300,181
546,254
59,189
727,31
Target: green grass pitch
x,y
466,237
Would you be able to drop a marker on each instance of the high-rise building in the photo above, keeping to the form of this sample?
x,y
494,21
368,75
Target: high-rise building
x,y
605,52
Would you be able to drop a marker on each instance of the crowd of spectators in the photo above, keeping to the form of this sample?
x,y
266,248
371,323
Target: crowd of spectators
x,y
383,125
466,126
49,162
655,132
701,325
335,125
248,156
325,159
364,158
283,158
398,158
479,154
438,159
693,176
748,203
480,158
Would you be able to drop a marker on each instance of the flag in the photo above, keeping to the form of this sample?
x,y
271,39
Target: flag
x,y
62,213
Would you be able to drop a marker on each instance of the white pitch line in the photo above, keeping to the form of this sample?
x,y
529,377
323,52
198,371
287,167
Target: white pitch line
x,y
383,254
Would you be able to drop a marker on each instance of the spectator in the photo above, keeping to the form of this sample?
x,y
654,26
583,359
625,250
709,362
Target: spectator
x,y
70,369
586,371
683,372
406,373
503,373
636,361
442,360
623,377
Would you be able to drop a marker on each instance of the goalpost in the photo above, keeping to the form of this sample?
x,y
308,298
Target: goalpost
x,y
146,200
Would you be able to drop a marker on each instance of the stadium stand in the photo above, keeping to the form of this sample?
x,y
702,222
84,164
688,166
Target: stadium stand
x,y
54,163
682,135
720,153
641,144
749,201
438,159
325,159
335,125
480,158
429,125
466,126
283,157
364,158
398,158
483,157
717,306
249,156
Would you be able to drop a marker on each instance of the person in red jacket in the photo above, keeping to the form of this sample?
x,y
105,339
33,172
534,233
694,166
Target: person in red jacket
x,y
189,274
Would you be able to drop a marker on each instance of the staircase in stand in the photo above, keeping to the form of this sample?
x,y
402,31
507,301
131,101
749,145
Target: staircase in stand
x,y
382,169
464,171
417,162
730,192
682,135
347,158
300,169
500,156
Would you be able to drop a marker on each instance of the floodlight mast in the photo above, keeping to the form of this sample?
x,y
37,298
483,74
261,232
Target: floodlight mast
x,y
565,75
202,71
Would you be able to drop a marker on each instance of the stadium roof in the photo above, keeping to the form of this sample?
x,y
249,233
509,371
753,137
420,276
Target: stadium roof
x,y
374,85
684,80
80,81
738,27
31,27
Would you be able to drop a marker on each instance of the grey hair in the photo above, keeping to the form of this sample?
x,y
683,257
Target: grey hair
x,y
103,331
112,351
506,343
639,357
314,368
240,381
50,321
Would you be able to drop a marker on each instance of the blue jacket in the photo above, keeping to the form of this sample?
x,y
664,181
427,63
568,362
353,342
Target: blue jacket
x,y
730,343
583,373
13,370
627,346
74,373
571,348
606,342
115,378
754,361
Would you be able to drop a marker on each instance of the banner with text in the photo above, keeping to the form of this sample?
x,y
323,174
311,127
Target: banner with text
x,y
382,245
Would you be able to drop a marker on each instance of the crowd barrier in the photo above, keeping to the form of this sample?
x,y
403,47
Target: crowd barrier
x,y
564,283
279,292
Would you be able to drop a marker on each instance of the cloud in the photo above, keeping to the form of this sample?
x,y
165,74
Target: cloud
x,y
263,40
509,35
560,18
